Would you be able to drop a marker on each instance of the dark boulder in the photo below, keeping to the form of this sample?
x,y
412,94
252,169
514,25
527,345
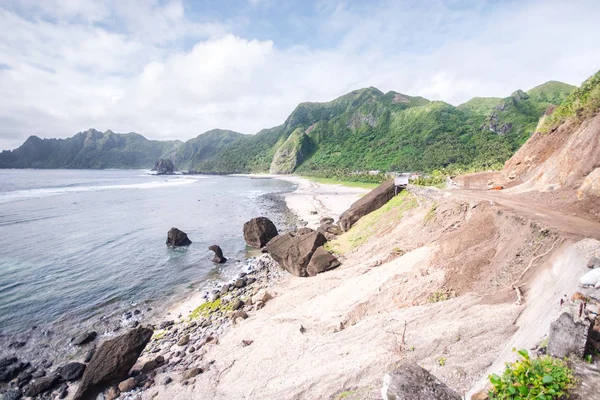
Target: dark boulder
x,y
370,202
164,167
177,238
294,250
84,338
41,385
6,361
321,261
89,355
411,382
71,371
112,361
259,231
218,258
568,337
11,394
63,391
11,371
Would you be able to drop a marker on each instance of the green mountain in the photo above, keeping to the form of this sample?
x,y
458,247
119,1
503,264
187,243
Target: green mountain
x,y
89,149
96,150
203,146
363,130
370,130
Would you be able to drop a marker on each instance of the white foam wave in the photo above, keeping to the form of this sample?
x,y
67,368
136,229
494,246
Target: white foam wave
x,y
8,197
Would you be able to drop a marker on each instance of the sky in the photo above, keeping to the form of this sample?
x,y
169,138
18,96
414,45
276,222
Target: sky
x,y
172,69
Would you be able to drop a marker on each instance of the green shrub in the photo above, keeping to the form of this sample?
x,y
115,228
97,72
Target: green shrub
x,y
543,378
582,103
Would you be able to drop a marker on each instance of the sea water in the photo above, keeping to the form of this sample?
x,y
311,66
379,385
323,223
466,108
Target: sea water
x,y
81,246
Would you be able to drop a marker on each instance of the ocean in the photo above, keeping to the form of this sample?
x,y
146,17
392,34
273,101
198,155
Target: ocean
x,y
83,249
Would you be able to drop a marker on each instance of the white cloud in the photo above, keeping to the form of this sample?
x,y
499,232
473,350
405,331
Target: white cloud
x,y
146,67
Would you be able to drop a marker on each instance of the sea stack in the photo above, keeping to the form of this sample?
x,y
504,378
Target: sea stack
x,y
164,166
218,258
177,238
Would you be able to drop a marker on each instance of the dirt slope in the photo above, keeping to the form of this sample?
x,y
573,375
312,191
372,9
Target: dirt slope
x,y
560,159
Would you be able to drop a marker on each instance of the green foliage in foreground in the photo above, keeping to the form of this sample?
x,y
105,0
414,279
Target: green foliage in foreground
x,y
582,103
543,378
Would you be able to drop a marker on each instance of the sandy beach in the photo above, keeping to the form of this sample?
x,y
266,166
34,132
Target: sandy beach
x,y
311,200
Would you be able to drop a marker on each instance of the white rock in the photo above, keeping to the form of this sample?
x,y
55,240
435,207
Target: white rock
x,y
592,278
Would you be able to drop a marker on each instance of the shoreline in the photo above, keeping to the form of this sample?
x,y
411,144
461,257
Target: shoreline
x,y
311,201
304,206
327,200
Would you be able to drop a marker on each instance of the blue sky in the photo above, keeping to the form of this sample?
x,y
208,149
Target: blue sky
x,y
171,69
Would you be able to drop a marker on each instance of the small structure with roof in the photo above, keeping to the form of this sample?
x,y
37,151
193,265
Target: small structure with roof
x,y
401,181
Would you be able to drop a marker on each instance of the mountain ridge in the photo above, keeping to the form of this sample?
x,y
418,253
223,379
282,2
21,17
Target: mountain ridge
x,y
361,130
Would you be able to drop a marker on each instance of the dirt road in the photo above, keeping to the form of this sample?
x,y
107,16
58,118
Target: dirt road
x,y
539,212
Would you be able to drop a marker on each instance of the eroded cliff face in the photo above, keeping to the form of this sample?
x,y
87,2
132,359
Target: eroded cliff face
x,y
559,159
291,153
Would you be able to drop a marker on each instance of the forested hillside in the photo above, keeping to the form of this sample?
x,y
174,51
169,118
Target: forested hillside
x,y
363,130
89,149
371,130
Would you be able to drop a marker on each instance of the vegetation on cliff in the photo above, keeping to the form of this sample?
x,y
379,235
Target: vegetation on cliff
x,y
89,149
369,130
363,130
580,104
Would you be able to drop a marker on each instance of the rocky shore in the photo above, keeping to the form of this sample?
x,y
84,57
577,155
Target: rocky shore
x,y
179,340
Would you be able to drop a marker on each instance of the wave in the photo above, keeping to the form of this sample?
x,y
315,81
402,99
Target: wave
x,y
18,195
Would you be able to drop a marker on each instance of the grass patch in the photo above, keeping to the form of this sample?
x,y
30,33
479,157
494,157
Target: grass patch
x,y
386,217
345,394
159,335
206,309
440,295
543,378
334,181
430,216
583,103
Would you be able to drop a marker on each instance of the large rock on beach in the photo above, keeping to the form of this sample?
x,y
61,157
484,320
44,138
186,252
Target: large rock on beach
x,y
370,202
259,231
177,238
218,258
411,382
112,361
293,250
321,261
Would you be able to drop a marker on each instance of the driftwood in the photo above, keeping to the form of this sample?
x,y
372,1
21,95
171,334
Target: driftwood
x,y
516,285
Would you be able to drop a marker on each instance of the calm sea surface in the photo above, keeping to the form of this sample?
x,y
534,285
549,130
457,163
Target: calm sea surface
x,y
77,246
